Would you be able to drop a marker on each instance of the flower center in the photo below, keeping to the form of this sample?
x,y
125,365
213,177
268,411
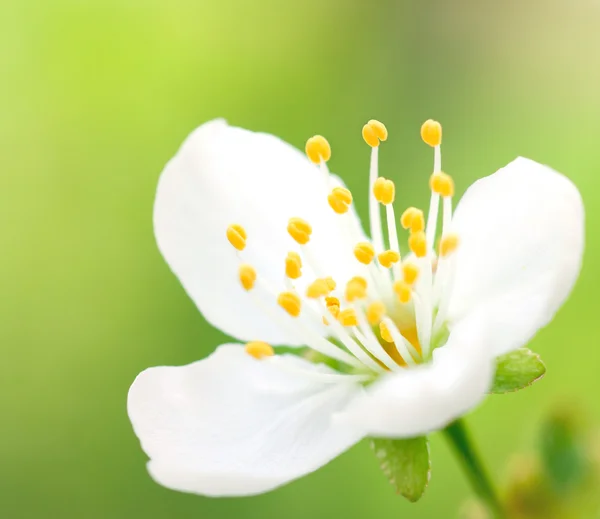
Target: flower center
x,y
392,314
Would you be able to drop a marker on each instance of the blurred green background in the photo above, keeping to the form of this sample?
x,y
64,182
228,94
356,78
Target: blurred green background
x,y
95,97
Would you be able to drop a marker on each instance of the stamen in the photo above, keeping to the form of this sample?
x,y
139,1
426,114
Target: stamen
x,y
385,333
236,235
442,184
373,132
403,347
375,312
356,288
388,258
318,288
431,133
384,191
365,335
348,317
293,265
374,214
410,273
259,349
403,291
318,149
333,305
448,244
413,219
300,230
290,302
364,252
301,327
340,199
247,276
417,242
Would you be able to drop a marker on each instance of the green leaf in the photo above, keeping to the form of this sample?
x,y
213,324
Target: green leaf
x,y
517,370
405,463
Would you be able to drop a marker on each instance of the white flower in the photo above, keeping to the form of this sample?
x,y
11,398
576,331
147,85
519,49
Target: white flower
x,y
244,421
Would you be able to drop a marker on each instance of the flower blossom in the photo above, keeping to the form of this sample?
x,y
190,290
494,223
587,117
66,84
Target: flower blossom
x,y
396,342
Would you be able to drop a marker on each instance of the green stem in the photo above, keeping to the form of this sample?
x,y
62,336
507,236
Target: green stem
x,y
458,436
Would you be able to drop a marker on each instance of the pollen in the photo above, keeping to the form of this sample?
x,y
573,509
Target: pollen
x,y
384,191
385,332
348,317
318,149
373,132
236,235
410,273
403,291
247,276
259,349
375,312
431,133
340,199
413,219
290,302
356,288
300,230
293,265
448,244
417,242
364,252
442,184
388,258
318,288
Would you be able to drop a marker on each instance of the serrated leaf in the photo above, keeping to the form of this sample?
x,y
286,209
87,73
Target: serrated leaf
x,y
517,370
405,463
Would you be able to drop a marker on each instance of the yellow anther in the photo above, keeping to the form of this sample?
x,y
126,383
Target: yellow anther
x,y
318,149
388,258
236,235
348,317
448,244
259,349
385,332
384,191
318,288
293,265
413,219
403,291
356,288
332,301
375,312
442,184
290,302
300,230
410,273
333,305
431,132
417,242
373,132
340,199
331,284
247,276
364,252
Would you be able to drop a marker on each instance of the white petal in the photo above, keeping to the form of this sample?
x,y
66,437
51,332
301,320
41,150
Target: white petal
x,y
234,425
224,175
419,400
521,242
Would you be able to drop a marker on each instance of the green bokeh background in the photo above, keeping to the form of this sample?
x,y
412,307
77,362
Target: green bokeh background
x,y
95,97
